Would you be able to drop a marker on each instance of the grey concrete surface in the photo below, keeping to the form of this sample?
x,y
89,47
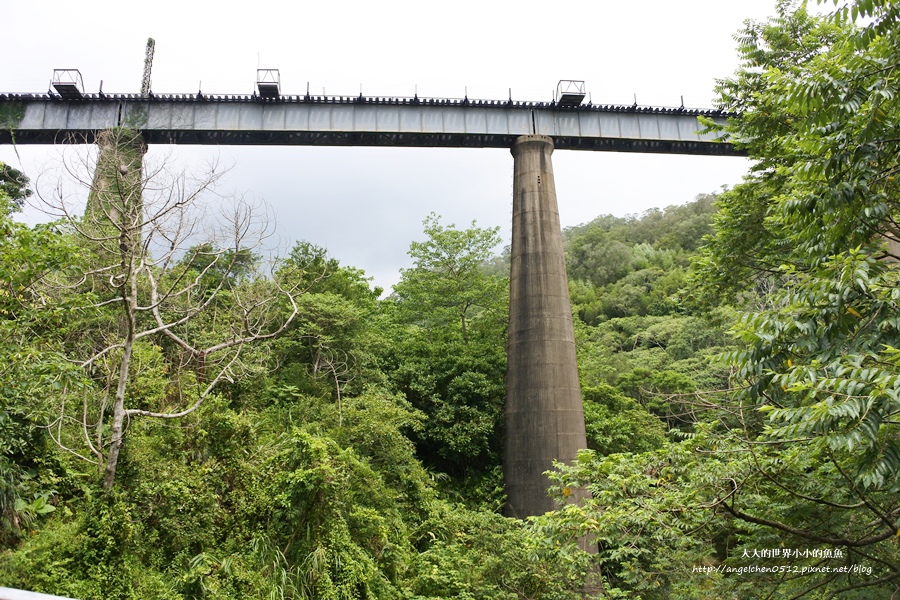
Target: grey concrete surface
x,y
544,414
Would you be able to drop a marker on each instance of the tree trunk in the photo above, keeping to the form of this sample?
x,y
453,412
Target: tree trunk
x,y
115,443
129,305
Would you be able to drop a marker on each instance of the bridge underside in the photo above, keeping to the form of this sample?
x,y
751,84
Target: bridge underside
x,y
423,140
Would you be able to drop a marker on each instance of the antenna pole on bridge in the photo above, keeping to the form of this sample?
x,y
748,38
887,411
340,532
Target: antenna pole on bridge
x,y
148,64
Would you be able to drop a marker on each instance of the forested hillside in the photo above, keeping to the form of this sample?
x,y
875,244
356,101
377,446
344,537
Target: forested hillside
x,y
182,417
645,347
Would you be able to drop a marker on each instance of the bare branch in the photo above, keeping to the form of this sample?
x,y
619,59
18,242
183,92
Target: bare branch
x,y
223,374
162,247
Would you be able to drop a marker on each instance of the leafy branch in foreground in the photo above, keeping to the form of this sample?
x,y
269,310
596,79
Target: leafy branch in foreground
x,y
803,453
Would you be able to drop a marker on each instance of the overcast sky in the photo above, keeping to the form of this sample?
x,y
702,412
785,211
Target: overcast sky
x,y
366,204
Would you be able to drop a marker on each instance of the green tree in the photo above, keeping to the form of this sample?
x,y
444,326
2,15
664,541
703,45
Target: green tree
x,y
615,423
448,282
14,185
448,356
32,369
829,195
334,344
818,108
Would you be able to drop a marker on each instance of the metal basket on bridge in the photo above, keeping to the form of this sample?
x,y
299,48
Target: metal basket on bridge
x,y
569,92
68,83
268,82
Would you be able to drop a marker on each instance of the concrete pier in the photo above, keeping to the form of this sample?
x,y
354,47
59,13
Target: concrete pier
x,y
115,205
544,414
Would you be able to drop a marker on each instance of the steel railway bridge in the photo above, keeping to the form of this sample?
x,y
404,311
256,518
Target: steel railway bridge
x,y
356,121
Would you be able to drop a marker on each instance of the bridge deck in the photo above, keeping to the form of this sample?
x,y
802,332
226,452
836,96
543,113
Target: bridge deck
x,y
348,121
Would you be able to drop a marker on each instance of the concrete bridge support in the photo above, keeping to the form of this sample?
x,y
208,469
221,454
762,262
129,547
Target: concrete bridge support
x,y
544,414
115,205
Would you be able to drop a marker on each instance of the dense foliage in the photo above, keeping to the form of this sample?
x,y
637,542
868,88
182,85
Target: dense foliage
x,y
786,483
320,467
357,454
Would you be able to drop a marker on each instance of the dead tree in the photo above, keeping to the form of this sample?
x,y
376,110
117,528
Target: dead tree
x,y
172,264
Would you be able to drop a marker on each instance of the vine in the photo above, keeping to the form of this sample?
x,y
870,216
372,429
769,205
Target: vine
x,y
135,118
11,114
